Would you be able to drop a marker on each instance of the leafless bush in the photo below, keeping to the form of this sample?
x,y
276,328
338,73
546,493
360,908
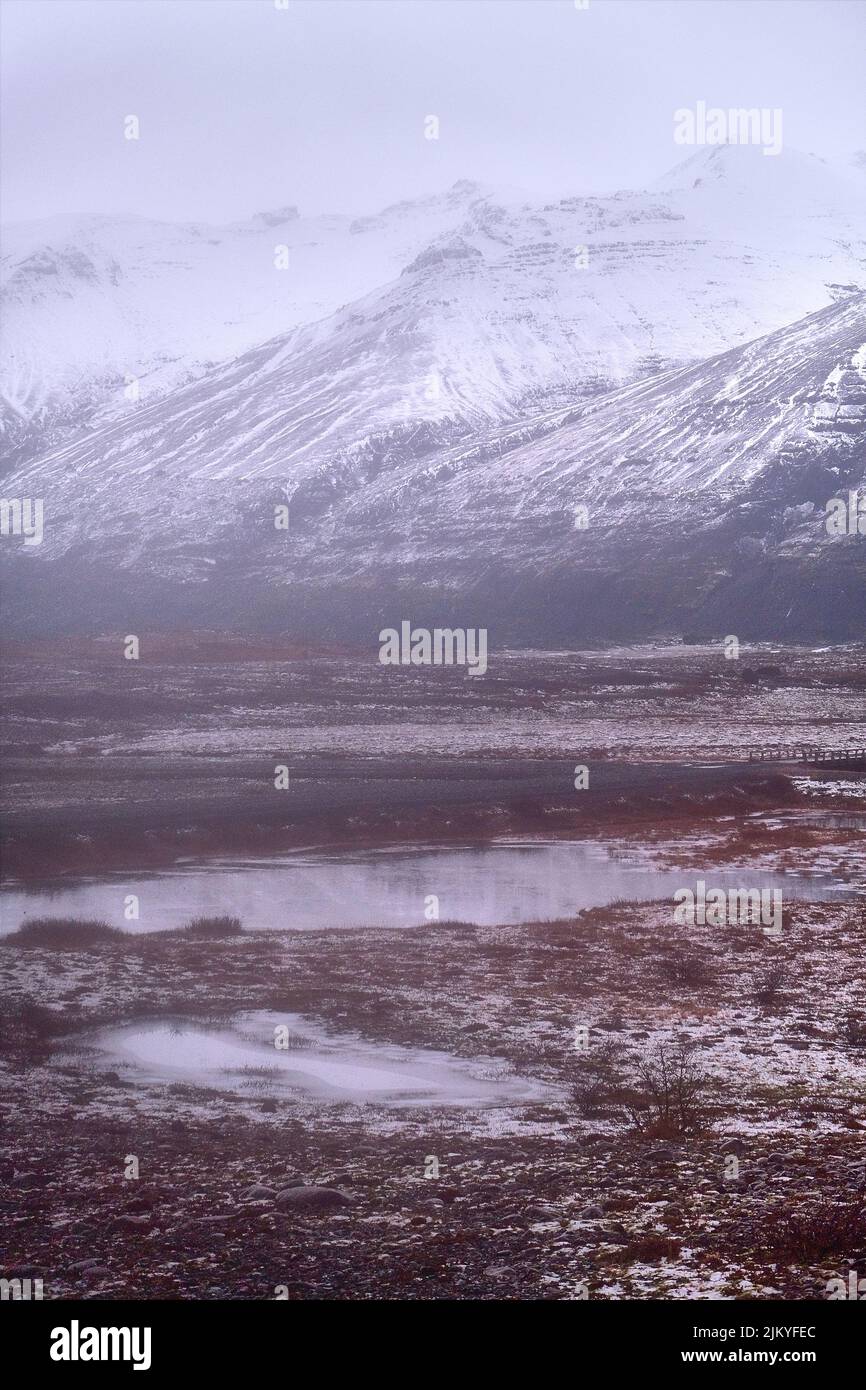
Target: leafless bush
x,y
598,1079
672,1094
768,987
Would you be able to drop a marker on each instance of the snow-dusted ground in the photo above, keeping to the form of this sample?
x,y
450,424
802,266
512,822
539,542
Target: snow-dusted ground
x,y
543,1195
675,704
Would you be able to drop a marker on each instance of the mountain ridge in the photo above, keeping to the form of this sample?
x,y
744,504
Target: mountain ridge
x,y
705,489
487,296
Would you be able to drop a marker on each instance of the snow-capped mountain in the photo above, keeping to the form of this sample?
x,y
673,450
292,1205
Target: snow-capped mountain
x,y
90,304
687,365
695,499
459,311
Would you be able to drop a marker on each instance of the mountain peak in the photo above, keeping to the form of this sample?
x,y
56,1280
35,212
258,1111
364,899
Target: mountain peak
x,y
462,187
790,182
277,216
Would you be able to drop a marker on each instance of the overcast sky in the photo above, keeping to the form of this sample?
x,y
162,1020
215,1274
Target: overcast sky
x,y
244,106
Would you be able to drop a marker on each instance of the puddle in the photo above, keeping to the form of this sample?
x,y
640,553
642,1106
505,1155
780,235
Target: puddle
x,y
504,883
242,1057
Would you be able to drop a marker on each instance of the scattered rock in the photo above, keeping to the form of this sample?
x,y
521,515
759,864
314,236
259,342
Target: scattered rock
x,y
734,1146
130,1223
543,1214
141,1201
258,1192
617,1237
312,1199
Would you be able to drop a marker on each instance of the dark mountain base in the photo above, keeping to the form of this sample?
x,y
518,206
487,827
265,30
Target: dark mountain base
x,y
792,599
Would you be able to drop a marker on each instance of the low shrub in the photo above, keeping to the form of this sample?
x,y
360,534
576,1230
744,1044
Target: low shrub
x,y
813,1233
64,933
597,1078
852,1026
214,926
688,970
26,1030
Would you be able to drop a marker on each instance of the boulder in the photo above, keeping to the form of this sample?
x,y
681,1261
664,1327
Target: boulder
x,y
312,1200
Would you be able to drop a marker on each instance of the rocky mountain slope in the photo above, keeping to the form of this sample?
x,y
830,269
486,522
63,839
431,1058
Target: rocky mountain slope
x,y
696,497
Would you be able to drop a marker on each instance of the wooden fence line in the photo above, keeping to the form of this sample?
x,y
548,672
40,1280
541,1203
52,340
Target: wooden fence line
x,y
807,753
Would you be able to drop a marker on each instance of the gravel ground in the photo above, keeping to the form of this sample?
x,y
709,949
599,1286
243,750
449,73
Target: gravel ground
x,y
578,1195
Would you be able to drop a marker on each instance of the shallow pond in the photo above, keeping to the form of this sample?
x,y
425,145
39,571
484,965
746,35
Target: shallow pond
x,y
244,1057
503,882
